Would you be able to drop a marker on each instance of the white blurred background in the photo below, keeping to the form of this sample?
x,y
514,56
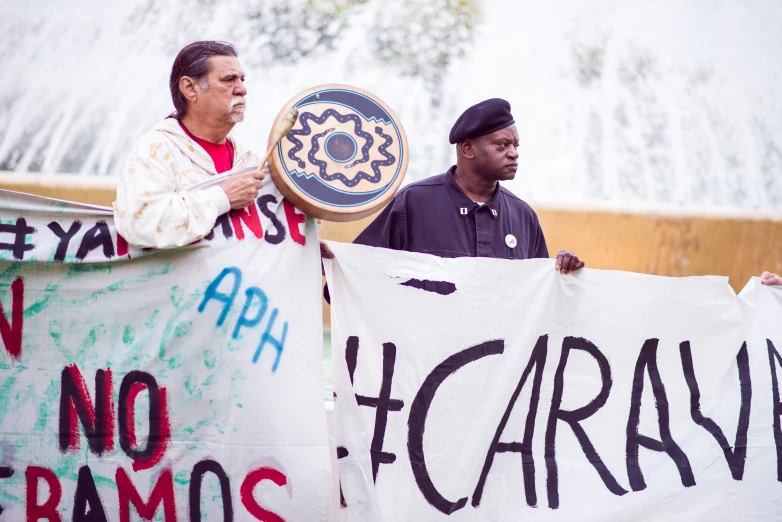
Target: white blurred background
x,y
624,104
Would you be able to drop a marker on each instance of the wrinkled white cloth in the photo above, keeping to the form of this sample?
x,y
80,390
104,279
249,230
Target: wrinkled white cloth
x,y
153,206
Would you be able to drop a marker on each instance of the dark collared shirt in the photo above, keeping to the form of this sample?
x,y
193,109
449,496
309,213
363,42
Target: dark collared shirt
x,y
434,216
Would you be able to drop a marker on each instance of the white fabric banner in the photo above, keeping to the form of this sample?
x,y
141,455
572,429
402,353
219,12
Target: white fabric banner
x,y
493,390
181,384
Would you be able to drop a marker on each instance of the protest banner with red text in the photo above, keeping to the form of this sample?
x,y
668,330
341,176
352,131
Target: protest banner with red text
x,y
181,384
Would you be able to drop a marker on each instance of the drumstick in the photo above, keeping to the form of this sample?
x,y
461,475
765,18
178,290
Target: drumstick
x,y
283,128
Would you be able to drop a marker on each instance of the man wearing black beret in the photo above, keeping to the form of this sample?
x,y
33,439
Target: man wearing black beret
x,y
465,212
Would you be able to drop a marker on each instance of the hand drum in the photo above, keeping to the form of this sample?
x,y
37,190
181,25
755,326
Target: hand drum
x,y
344,158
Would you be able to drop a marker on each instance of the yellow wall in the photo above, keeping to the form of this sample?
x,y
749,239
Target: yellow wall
x,y
71,187
738,247
735,246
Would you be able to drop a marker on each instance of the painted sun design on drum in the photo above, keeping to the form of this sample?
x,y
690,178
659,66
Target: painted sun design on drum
x,y
345,150
340,147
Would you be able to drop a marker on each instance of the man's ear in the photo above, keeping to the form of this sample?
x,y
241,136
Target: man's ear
x,y
467,149
187,86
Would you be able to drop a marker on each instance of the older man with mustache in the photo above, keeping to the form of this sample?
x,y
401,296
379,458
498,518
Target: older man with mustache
x,y
192,145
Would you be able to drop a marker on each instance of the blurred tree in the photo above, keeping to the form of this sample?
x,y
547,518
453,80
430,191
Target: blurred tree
x,y
288,30
105,50
420,37
423,37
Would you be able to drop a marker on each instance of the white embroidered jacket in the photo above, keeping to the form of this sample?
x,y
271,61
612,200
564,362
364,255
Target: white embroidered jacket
x,y
153,207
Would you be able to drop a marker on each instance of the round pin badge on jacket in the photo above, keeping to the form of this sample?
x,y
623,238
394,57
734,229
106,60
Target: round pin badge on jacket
x,y
510,240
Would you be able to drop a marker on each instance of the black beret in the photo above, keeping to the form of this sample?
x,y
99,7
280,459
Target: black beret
x,y
482,119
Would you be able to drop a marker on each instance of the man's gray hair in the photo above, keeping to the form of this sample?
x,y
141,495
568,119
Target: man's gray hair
x,y
193,61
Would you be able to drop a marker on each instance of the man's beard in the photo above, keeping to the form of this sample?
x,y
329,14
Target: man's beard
x,y
236,115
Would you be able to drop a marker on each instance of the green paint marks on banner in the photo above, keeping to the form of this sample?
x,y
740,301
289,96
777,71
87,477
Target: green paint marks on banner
x,y
22,398
210,359
183,478
91,338
172,324
192,388
77,269
128,334
108,482
183,329
150,324
8,275
49,293
176,361
55,332
176,294
9,498
50,397
5,394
